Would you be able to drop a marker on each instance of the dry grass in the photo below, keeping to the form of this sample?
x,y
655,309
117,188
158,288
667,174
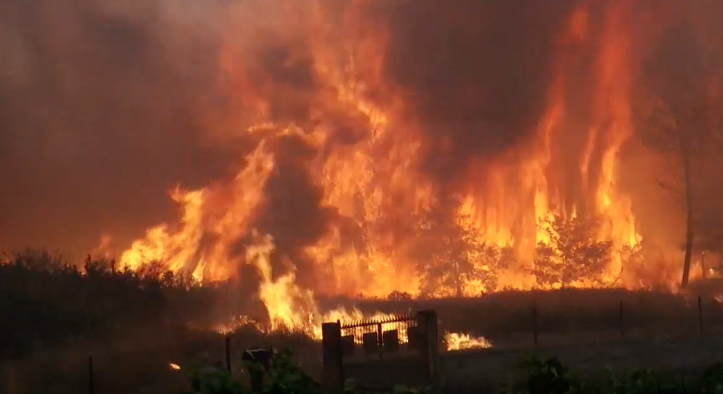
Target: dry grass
x,y
568,316
490,369
134,333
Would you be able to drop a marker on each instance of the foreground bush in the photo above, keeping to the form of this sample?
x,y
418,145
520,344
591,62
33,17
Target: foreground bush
x,y
284,378
552,377
538,377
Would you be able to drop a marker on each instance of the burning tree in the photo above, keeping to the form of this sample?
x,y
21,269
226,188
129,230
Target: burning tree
x,y
571,251
678,119
452,258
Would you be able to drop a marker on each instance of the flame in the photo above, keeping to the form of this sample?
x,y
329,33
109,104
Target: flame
x,y
174,366
223,211
456,341
372,181
289,307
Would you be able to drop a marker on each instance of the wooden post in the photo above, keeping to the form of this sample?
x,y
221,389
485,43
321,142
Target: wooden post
x,y
91,378
333,375
534,324
700,313
427,325
228,353
622,323
380,340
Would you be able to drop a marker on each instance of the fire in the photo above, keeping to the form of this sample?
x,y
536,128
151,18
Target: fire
x,y
456,341
334,176
206,211
174,366
289,306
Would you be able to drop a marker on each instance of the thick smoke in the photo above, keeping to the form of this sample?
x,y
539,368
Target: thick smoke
x,y
100,114
477,72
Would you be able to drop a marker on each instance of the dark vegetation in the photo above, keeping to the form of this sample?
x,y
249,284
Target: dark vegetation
x,y
55,315
48,301
552,377
534,375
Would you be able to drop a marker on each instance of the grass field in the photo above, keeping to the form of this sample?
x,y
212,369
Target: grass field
x,y
581,327
135,326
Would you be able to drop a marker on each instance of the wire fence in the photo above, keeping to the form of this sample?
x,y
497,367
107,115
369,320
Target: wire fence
x,y
556,324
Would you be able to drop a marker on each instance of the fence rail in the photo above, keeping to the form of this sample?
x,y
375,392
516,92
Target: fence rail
x,y
384,320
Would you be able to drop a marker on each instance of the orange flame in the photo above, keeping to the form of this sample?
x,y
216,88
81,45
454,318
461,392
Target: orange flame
x,y
374,184
455,341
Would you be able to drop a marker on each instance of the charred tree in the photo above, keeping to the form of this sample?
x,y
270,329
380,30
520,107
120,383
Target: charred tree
x,y
689,236
450,254
572,252
677,119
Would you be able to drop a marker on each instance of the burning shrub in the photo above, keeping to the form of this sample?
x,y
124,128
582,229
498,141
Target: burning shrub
x,y
570,252
453,258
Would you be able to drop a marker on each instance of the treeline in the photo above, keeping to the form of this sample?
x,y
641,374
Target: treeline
x,y
46,300
454,259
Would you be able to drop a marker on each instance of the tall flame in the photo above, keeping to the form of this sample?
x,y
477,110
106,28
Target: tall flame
x,y
365,151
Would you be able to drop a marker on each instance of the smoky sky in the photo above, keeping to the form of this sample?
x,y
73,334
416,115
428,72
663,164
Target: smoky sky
x,y
104,104
97,119
477,71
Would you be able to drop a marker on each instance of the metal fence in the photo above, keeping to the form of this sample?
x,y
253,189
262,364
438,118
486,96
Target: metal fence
x,y
377,337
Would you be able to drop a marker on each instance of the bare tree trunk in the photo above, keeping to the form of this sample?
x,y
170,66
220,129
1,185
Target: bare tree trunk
x,y
688,218
702,266
458,285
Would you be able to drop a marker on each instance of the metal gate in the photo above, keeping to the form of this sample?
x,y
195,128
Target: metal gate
x,y
379,337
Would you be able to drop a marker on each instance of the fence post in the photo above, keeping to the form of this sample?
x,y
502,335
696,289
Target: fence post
x,y
91,378
380,341
333,375
427,324
228,353
622,322
700,313
534,323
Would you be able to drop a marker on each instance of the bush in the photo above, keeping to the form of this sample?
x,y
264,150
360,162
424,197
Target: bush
x,y
551,377
539,377
285,377
53,301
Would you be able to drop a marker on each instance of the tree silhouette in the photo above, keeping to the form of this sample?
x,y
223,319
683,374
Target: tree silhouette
x,y
450,256
677,117
631,262
571,252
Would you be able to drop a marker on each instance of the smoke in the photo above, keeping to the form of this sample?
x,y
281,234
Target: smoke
x,y
477,73
101,108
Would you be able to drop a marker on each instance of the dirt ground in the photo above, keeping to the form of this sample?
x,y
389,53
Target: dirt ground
x,y
581,327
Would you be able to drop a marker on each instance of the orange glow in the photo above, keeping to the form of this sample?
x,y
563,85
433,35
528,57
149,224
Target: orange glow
x,y
454,341
367,151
